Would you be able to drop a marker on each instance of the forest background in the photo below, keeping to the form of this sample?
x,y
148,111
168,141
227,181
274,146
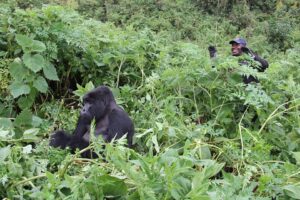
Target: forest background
x,y
194,138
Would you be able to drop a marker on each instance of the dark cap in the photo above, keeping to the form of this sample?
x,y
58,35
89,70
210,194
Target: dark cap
x,y
240,41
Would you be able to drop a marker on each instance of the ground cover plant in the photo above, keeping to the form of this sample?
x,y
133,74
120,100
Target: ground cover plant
x,y
195,134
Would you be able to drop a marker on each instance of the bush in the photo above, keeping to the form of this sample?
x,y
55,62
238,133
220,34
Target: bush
x,y
199,130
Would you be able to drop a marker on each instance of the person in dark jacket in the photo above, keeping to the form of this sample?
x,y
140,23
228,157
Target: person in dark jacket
x,y
238,47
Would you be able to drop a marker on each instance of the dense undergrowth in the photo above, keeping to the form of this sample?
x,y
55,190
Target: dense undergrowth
x,y
200,132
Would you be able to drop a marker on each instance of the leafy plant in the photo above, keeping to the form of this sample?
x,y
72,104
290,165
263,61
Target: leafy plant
x,y
200,132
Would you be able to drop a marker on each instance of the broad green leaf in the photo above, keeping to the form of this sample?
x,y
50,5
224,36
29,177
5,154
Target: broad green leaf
x,y
5,123
28,44
24,41
113,186
51,178
148,97
3,53
26,101
24,118
17,70
169,156
41,84
292,191
145,133
133,196
89,86
159,126
181,187
81,91
297,157
30,135
27,149
4,153
18,89
36,121
213,169
171,132
50,72
35,62
31,132
200,186
6,134
204,152
38,46
16,169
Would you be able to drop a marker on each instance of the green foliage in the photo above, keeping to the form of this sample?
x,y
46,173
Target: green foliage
x,y
279,33
4,75
24,71
200,132
81,91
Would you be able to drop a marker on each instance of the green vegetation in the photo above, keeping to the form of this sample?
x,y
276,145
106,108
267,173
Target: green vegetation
x,y
195,135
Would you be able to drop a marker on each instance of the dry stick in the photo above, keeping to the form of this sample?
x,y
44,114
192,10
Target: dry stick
x,y
274,114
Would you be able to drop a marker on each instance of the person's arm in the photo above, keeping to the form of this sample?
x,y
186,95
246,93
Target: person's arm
x,y
264,64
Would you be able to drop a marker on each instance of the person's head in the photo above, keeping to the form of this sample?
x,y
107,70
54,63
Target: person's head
x,y
236,46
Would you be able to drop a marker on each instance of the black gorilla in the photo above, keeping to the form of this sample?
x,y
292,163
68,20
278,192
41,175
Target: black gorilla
x,y
111,122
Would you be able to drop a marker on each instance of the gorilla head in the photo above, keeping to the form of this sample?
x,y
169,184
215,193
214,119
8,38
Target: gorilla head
x,y
97,102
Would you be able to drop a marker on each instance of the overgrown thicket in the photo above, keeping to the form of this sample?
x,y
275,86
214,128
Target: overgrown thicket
x,y
200,132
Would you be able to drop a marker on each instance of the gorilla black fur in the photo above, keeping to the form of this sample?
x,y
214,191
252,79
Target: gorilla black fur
x,y
111,122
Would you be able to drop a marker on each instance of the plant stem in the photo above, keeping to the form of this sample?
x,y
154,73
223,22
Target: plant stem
x,y
119,72
29,179
274,114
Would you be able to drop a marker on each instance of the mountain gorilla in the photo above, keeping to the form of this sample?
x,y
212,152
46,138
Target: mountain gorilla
x,y
111,122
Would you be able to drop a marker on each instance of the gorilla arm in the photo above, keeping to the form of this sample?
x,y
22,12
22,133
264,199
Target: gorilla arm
x,y
82,127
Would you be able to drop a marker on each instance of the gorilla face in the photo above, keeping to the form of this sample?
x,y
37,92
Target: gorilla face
x,y
94,105
92,108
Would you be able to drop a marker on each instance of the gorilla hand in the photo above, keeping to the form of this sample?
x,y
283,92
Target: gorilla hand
x,y
212,51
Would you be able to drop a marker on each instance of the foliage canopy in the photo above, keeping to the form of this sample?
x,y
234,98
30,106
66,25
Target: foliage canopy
x,y
200,132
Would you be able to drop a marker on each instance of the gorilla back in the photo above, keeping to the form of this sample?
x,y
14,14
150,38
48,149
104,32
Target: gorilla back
x,y
111,122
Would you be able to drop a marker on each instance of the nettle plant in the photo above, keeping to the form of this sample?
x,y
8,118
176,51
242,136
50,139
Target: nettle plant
x,y
30,71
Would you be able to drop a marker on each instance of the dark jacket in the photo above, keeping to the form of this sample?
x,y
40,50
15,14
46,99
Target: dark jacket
x,y
264,65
